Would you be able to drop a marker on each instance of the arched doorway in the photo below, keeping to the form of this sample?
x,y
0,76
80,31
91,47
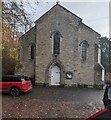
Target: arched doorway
x,y
55,76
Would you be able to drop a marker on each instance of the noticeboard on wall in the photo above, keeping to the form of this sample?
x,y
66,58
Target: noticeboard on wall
x,y
69,75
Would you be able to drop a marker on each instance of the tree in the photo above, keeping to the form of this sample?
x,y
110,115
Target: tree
x,y
106,50
10,51
13,18
15,22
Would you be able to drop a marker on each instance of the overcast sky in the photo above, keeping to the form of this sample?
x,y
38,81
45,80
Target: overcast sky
x,y
94,14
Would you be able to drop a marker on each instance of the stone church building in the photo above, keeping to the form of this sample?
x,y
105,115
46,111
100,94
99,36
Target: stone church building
x,y
60,50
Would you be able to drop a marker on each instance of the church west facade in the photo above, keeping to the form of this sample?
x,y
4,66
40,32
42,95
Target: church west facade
x,y
60,50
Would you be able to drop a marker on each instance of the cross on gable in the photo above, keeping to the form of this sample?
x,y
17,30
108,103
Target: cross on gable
x,y
57,1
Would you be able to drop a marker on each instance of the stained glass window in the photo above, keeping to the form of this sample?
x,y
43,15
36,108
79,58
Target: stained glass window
x,y
84,51
56,48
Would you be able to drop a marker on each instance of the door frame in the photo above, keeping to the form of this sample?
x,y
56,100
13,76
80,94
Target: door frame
x,y
52,78
48,72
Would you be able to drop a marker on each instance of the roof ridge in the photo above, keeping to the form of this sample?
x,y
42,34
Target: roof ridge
x,y
61,7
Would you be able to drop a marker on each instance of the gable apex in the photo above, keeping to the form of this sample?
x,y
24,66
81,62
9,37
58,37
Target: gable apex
x,y
57,5
69,11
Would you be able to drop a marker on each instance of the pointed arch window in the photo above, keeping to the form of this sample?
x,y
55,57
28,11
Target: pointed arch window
x,y
56,43
31,51
21,52
84,51
84,45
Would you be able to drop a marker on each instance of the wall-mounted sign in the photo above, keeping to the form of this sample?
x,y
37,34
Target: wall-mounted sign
x,y
69,75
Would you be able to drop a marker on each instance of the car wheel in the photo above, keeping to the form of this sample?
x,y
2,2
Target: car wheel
x,y
15,91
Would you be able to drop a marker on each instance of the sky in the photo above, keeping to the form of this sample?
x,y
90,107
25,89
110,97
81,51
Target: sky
x,y
95,13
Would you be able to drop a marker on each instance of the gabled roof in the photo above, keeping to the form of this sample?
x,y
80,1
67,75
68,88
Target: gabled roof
x,y
66,11
27,32
91,29
61,7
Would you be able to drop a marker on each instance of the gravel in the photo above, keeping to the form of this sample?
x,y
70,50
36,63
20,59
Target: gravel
x,y
51,102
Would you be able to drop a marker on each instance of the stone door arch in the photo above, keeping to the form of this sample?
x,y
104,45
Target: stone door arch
x,y
55,76
58,67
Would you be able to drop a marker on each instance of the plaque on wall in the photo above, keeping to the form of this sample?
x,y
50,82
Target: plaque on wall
x,y
69,75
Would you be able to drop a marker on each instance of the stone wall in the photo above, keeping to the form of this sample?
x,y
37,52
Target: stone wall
x,y
97,69
67,24
26,66
73,32
85,70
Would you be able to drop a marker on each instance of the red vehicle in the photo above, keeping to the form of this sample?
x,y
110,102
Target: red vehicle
x,y
15,84
104,114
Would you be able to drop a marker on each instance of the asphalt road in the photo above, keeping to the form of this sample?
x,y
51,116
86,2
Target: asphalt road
x,y
65,94
53,102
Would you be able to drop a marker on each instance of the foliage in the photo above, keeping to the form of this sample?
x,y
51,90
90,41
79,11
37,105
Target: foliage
x,y
105,44
108,76
14,14
10,51
16,21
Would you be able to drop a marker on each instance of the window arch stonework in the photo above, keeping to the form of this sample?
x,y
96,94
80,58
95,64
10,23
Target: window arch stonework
x,y
31,51
84,45
56,43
